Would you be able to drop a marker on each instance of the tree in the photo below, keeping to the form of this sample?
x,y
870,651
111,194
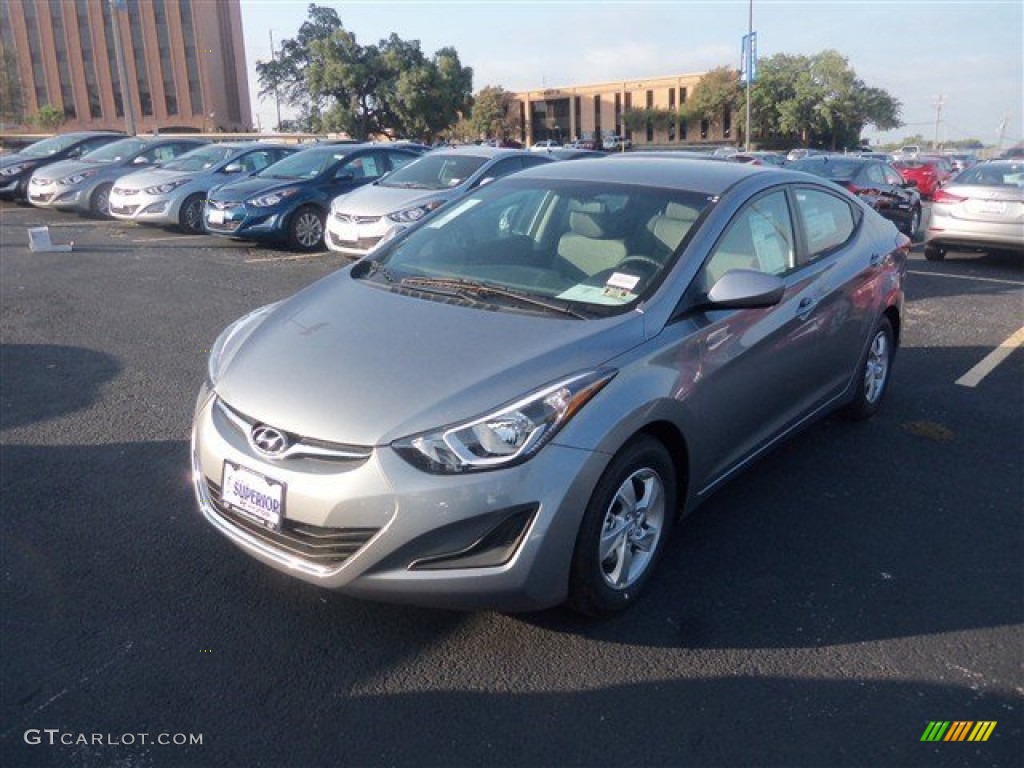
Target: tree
x,y
49,118
717,91
817,100
390,88
495,114
12,99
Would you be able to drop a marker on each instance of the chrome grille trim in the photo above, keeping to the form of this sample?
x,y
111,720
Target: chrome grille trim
x,y
300,446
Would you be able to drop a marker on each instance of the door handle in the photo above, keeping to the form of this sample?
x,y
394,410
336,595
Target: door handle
x,y
805,307
877,259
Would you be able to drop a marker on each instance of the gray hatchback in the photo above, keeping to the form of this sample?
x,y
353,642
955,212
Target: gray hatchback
x,y
510,404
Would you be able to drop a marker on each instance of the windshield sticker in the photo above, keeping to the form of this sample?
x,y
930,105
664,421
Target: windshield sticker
x,y
594,294
622,280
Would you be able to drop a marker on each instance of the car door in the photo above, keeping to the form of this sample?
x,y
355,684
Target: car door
x,y
355,171
749,374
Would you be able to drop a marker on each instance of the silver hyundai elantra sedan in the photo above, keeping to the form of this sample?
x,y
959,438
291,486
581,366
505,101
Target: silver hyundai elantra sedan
x,y
510,404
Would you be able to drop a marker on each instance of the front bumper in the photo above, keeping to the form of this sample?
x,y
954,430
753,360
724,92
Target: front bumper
x,y
400,534
244,221
143,207
60,197
357,236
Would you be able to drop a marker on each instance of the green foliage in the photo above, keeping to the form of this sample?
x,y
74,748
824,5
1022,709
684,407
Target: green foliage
x,y
816,100
716,91
495,114
49,118
390,88
638,119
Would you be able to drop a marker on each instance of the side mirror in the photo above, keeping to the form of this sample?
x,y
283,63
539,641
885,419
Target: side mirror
x,y
140,161
910,184
232,168
345,177
486,180
745,289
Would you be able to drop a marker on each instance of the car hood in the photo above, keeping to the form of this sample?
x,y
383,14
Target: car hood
x,y
16,158
152,177
351,363
378,200
69,167
243,189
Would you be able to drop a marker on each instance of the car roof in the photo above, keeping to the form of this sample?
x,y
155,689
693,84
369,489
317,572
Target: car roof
x,y
342,149
710,177
479,150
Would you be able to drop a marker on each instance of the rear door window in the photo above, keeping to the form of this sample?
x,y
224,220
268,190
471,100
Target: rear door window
x,y
827,222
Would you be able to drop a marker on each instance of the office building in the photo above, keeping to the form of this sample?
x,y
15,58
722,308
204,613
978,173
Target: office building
x,y
184,63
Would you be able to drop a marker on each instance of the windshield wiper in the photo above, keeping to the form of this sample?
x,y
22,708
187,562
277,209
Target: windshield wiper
x,y
405,185
457,286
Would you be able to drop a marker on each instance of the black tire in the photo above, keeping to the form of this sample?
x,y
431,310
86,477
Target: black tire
x,y
934,253
306,229
873,374
624,529
914,224
99,201
190,216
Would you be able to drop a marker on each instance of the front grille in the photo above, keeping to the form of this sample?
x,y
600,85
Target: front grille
x,y
124,210
313,543
227,226
347,219
44,198
362,244
125,191
42,182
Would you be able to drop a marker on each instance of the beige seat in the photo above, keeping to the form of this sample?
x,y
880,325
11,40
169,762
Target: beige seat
x,y
669,228
592,243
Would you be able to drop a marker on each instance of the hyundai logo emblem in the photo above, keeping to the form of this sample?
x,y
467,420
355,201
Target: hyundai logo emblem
x,y
268,441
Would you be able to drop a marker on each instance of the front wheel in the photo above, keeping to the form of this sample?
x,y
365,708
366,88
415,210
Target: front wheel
x,y
624,529
306,229
190,217
934,253
873,376
99,203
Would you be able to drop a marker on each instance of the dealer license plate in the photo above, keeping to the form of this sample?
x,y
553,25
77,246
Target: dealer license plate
x,y
215,216
347,232
254,495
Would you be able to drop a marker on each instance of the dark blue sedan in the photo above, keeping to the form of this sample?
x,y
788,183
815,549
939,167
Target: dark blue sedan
x,y
289,200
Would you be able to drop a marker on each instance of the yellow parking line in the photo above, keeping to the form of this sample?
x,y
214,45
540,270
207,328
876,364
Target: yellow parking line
x,y
974,376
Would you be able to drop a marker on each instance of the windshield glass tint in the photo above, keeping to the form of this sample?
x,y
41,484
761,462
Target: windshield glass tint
x,y
50,146
116,151
200,159
993,175
436,172
597,246
829,169
305,164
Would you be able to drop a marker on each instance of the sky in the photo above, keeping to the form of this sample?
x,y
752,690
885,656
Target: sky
x,y
967,53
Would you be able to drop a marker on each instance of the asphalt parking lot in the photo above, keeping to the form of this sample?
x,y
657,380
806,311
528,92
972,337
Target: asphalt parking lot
x,y
858,584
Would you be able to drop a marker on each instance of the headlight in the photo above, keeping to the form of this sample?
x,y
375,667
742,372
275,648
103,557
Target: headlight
x,y
230,340
507,436
265,201
163,189
14,169
409,215
76,178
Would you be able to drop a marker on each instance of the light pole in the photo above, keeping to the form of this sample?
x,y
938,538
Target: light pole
x,y
750,64
116,6
277,97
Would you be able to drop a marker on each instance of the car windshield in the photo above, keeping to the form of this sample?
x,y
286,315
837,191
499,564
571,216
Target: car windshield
x,y
115,152
440,171
993,175
826,167
200,159
305,164
578,248
50,146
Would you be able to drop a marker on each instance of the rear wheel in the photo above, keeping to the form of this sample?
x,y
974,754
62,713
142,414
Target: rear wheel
x,y
915,222
624,529
934,253
99,203
190,217
873,381
306,229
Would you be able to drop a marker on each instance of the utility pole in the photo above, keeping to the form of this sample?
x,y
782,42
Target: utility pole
x,y
116,6
938,118
1002,134
277,97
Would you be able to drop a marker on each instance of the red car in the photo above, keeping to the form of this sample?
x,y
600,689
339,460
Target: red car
x,y
926,173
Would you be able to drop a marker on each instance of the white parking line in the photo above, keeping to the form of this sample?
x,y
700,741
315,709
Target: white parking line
x,y
162,239
974,376
968,277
